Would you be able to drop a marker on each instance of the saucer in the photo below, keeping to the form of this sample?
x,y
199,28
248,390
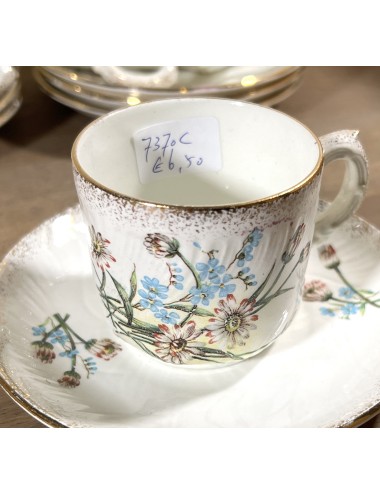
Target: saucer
x,y
85,91
61,363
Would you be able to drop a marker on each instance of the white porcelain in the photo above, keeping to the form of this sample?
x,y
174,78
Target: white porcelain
x,y
10,93
323,372
73,90
163,76
201,214
195,82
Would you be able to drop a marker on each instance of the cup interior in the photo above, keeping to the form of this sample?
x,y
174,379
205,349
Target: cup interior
x,y
262,152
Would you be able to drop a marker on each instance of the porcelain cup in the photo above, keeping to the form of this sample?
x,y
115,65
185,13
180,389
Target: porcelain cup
x,y
201,213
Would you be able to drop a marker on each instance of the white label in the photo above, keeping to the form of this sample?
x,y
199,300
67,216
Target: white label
x,y
177,147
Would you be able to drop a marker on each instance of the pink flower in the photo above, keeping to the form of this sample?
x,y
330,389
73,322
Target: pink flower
x,y
293,244
99,249
176,344
105,348
161,245
316,291
328,257
44,351
233,322
70,379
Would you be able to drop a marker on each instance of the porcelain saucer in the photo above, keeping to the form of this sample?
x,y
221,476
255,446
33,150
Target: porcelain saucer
x,y
322,372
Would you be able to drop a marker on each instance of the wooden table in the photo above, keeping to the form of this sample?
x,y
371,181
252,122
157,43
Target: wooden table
x,y
35,169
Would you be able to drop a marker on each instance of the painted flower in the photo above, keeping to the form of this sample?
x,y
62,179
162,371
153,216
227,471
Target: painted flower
x,y
328,256
346,292
161,245
44,351
293,244
244,256
58,336
150,301
349,309
177,344
305,253
104,349
224,287
167,317
70,379
316,291
99,249
176,278
255,236
325,311
69,353
211,270
203,294
233,322
154,288
38,330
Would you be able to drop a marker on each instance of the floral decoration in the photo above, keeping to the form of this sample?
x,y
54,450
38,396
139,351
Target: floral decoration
x,y
56,336
348,301
198,321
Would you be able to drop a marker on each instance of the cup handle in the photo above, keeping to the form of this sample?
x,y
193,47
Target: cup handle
x,y
343,144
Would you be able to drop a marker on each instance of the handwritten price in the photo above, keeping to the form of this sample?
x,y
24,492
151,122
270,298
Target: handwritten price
x,y
169,152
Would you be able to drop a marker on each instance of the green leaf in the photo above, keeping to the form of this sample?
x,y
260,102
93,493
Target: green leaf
x,y
203,312
266,300
103,283
133,282
145,326
362,309
258,290
124,298
197,311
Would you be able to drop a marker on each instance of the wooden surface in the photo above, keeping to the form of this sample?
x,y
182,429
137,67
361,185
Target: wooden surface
x,y
35,170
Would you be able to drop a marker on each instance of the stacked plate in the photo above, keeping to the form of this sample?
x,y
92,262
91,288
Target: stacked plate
x,y
10,92
94,91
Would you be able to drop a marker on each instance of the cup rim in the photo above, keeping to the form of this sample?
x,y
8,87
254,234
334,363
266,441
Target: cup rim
x,y
161,205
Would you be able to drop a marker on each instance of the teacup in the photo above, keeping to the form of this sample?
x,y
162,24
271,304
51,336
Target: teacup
x,y
201,213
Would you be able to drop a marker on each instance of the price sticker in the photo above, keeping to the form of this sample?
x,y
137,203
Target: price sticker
x,y
178,147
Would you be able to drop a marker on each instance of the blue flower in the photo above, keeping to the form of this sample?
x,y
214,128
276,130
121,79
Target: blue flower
x,y
91,365
255,236
154,287
244,271
38,330
210,270
325,311
59,336
346,292
178,286
167,317
197,245
149,301
349,309
224,288
69,353
244,256
203,294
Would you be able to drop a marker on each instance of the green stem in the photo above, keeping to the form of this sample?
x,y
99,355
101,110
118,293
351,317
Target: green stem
x,y
54,328
290,274
345,301
188,316
273,284
67,328
192,269
347,283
